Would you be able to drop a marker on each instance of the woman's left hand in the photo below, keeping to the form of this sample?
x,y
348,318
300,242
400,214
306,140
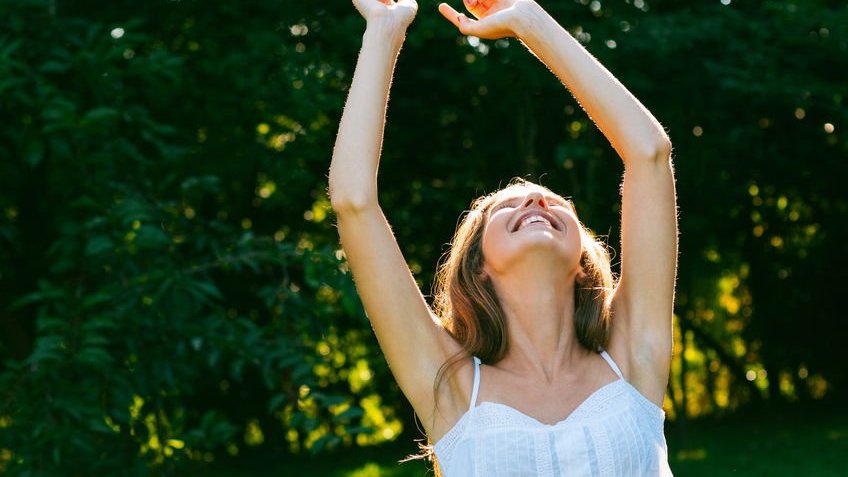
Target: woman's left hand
x,y
397,15
495,18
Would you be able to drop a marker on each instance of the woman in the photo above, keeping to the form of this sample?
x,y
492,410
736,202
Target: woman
x,y
535,361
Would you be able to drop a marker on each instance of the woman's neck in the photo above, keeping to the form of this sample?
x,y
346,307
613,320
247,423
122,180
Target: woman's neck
x,y
539,309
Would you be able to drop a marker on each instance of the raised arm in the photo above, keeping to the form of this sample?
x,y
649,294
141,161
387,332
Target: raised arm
x,y
413,342
641,336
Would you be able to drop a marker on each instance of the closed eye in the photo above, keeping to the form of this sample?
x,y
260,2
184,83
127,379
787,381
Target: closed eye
x,y
569,205
565,204
553,201
508,202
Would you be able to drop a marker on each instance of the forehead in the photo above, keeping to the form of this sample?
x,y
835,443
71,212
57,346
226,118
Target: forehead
x,y
518,192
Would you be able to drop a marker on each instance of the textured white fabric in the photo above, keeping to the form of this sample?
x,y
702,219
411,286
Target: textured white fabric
x,y
615,432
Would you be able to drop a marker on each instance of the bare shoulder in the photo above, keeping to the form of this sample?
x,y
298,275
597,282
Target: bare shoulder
x,y
639,353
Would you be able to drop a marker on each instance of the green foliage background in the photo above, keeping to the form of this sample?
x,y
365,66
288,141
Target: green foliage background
x,y
171,286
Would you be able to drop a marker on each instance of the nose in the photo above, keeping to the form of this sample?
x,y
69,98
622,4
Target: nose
x,y
535,198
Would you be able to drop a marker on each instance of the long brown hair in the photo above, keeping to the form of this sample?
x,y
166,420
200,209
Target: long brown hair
x,y
469,309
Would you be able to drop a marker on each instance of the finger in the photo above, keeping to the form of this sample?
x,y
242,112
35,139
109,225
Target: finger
x,y
468,26
449,13
459,20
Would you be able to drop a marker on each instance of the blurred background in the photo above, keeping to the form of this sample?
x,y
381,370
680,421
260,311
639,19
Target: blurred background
x,y
173,297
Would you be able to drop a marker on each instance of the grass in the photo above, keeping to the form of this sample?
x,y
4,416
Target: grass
x,y
775,443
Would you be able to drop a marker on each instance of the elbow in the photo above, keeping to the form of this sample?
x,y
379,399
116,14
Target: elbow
x,y
351,205
350,190
663,149
660,150
655,152
342,202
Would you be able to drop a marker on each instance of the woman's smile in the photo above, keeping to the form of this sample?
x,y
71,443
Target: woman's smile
x,y
538,216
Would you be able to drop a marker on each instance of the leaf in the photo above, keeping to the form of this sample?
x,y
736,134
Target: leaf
x,y
350,413
301,371
236,368
312,271
59,148
34,152
45,294
99,244
9,47
57,114
47,348
95,356
84,202
94,340
149,237
206,289
206,183
100,114
276,401
100,323
48,324
328,400
54,66
10,84
358,429
96,299
327,440
132,209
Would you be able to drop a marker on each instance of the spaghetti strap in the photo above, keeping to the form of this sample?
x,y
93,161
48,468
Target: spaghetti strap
x,y
612,364
476,383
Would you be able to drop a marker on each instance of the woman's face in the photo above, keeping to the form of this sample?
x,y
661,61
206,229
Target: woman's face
x,y
530,220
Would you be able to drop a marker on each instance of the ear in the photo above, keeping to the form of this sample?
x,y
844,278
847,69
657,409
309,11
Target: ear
x,y
483,274
581,275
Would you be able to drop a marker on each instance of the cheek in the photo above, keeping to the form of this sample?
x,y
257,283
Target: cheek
x,y
494,238
486,242
573,229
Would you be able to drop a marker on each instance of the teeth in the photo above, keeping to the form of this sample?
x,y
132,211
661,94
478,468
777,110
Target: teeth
x,y
533,219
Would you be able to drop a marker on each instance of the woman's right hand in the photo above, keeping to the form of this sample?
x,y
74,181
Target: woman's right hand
x,y
397,15
495,18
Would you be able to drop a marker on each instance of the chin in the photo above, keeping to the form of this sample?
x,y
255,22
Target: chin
x,y
543,254
539,247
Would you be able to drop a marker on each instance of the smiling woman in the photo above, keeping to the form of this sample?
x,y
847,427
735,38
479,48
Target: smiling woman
x,y
535,359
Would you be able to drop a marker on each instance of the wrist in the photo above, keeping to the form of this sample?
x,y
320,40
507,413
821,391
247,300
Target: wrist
x,y
532,18
385,33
